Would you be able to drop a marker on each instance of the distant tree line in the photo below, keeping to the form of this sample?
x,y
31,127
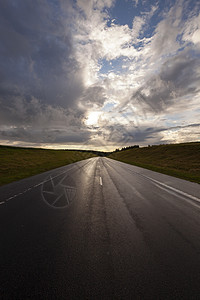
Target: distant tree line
x,y
98,153
126,148
102,153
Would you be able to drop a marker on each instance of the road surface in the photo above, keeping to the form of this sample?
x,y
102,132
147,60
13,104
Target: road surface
x,y
100,229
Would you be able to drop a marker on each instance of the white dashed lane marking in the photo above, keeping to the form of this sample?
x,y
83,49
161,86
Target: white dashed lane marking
x,y
100,181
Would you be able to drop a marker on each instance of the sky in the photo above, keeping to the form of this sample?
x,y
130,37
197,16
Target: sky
x,y
99,74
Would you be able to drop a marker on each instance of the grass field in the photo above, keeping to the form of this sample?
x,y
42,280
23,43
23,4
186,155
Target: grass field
x,y
179,160
17,163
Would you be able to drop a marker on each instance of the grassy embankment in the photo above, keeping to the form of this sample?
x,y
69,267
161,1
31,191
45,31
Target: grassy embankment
x,y
17,163
179,160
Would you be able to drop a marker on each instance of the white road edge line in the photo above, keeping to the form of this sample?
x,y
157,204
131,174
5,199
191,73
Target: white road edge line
x,y
100,180
167,187
174,189
34,186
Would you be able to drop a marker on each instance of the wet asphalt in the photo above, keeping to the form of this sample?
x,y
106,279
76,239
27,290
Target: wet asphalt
x,y
100,229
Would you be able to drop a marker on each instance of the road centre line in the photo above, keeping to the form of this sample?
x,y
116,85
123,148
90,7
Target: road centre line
x,y
100,180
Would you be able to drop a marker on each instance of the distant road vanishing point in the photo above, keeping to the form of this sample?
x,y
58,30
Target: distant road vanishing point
x,y
100,229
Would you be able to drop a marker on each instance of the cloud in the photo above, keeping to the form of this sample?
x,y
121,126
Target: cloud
x,y
181,134
89,6
192,31
94,96
131,134
136,2
62,60
179,77
37,53
159,72
45,136
40,78
140,23
38,123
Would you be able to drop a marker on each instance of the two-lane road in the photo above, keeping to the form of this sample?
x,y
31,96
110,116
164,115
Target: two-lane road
x,y
100,229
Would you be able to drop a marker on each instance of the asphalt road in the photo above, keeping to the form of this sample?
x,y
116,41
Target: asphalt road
x,y
100,229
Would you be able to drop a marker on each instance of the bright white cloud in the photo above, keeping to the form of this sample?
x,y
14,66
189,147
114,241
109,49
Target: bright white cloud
x,y
192,31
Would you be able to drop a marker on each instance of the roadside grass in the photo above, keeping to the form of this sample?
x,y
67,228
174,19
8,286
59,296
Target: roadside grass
x,y
179,160
17,163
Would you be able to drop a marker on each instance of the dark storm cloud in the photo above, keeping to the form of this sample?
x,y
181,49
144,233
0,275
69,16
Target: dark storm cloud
x,y
40,79
127,135
178,77
94,94
45,135
36,54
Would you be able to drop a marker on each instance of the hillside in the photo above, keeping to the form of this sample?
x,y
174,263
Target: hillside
x,y
17,163
179,160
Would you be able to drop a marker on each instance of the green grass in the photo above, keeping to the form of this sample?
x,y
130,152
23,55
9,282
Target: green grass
x,y
17,163
179,160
